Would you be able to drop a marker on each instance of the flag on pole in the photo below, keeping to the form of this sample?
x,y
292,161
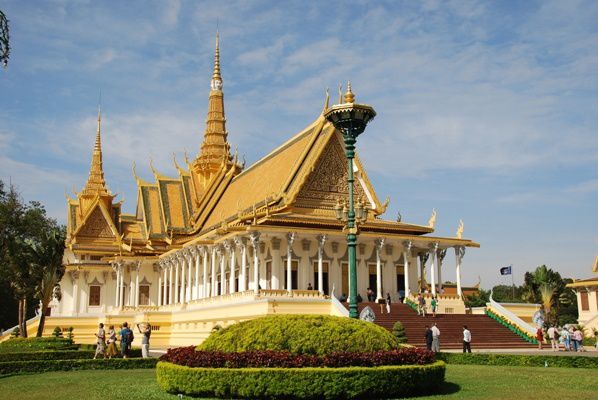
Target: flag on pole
x,y
505,270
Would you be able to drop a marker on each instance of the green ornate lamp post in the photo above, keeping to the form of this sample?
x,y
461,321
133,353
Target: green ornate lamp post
x,y
350,119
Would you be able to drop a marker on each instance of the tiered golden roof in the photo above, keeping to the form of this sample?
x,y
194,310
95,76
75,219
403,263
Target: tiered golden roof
x,y
296,186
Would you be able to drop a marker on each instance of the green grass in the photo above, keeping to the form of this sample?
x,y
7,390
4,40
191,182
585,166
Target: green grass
x,y
462,382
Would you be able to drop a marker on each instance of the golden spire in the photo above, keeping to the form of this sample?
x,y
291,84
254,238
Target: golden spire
x,y
215,149
349,96
95,182
216,77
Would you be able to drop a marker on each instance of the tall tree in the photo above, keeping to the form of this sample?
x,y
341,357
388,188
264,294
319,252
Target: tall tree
x,y
546,287
20,223
47,269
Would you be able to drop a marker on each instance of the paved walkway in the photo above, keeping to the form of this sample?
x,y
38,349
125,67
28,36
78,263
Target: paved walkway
x,y
591,352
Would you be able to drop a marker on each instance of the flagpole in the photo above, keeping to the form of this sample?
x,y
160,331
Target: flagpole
x,y
513,284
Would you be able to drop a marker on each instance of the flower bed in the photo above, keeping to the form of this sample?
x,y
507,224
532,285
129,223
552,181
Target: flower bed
x,y
188,356
301,383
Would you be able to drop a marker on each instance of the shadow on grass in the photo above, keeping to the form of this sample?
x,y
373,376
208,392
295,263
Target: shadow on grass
x,y
445,388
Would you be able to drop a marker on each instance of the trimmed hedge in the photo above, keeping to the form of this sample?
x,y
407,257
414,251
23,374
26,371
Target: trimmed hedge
x,y
20,367
47,355
189,357
301,334
22,345
513,328
57,355
519,360
301,383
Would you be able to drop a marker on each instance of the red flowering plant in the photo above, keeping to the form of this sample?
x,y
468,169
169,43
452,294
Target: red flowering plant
x,y
190,357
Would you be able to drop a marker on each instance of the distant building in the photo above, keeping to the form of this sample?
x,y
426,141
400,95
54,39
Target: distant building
x,y
587,300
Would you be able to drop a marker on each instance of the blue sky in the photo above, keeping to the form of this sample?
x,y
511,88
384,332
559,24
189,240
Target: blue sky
x,y
487,111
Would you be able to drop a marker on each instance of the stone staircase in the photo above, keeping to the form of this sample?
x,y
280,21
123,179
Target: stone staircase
x,y
485,332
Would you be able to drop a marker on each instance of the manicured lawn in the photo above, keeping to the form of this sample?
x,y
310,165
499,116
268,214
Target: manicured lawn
x,y
463,382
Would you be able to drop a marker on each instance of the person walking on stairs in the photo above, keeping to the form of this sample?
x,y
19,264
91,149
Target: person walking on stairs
x,y
466,340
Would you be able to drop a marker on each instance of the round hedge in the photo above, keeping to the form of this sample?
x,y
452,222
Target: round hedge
x,y
301,383
301,334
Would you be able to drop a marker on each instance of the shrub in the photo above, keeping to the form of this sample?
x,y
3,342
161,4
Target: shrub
x,y
47,355
19,367
69,332
188,356
519,360
16,345
399,331
57,332
15,332
301,383
301,334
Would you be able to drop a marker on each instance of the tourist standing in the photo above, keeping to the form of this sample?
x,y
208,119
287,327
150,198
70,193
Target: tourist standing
x,y
429,338
435,338
434,304
309,286
388,300
101,341
370,295
466,340
126,338
540,337
421,305
111,351
578,339
145,338
572,341
552,335
566,339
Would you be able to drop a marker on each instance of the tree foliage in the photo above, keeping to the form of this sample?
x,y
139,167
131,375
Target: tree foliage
x,y
31,249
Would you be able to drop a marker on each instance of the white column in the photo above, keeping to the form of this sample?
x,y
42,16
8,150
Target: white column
x,y
433,250
378,243
255,242
170,281
115,267
406,255
189,291
176,279
195,252
165,283
159,302
459,253
182,265
222,255
440,257
233,263
290,239
75,282
137,270
321,241
243,273
121,286
213,278
204,289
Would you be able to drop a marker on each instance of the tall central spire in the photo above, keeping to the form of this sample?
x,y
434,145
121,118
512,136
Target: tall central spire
x,y
215,149
96,183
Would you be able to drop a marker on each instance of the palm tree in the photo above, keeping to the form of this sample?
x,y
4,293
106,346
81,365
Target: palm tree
x,y
46,263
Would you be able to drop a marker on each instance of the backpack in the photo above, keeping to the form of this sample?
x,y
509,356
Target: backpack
x,y
129,336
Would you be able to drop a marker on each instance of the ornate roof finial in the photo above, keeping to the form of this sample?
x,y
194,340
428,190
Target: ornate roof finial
x,y
216,77
349,96
327,101
340,93
95,182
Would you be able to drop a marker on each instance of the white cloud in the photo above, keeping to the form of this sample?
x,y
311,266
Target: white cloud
x,y
590,186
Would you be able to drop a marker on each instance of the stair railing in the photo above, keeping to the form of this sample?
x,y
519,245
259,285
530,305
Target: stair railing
x,y
338,305
507,318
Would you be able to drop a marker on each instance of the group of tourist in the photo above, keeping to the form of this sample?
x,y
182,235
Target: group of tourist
x,y
570,338
432,336
106,342
371,296
422,305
